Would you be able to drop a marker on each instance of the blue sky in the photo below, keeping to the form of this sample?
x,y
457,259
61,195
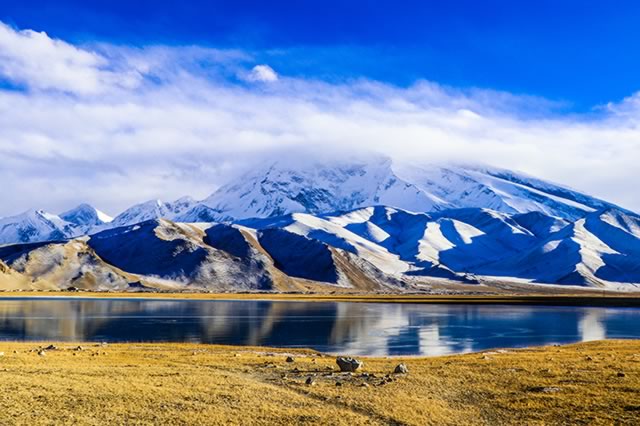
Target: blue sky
x,y
174,98
579,53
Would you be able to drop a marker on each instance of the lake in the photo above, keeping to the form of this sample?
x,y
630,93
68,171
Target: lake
x,y
334,327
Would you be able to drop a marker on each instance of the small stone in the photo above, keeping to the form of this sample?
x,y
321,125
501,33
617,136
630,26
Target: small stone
x,y
296,370
621,374
290,359
588,358
42,353
401,369
338,383
364,385
544,389
310,381
79,348
349,364
51,348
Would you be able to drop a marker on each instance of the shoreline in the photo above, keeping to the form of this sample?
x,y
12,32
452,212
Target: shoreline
x,y
593,300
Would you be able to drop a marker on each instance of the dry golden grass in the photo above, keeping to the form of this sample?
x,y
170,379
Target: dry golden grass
x,y
176,384
569,299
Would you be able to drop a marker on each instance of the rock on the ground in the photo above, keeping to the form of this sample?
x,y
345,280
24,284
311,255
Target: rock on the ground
x,y
401,369
349,364
290,359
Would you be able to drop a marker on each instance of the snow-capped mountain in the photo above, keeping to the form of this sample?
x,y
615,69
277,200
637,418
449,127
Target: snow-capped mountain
x,y
185,209
284,187
34,225
38,225
315,187
601,249
281,188
86,217
461,186
154,209
371,248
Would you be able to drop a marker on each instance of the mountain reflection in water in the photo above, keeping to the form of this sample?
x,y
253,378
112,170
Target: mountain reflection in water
x,y
337,327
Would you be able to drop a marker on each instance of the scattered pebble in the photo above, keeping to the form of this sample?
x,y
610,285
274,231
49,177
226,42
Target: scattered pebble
x,y
290,359
621,374
310,381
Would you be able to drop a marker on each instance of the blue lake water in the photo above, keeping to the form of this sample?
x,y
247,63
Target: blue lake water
x,y
335,327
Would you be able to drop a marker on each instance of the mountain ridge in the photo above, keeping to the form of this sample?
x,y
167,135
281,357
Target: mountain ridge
x,y
374,248
365,224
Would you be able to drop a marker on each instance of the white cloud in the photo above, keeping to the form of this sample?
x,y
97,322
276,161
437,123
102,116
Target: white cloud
x,y
39,62
263,73
183,127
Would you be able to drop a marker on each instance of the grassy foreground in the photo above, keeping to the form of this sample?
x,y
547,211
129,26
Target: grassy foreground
x,y
590,383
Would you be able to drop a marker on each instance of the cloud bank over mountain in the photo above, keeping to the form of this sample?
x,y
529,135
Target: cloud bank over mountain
x,y
114,124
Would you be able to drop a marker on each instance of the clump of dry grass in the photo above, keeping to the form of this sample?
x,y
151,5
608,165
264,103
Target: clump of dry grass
x,y
591,383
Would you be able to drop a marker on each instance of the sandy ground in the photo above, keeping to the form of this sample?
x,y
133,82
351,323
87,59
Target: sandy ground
x,y
180,384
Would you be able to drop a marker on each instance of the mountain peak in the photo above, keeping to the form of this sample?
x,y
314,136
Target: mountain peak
x,y
319,185
86,215
315,186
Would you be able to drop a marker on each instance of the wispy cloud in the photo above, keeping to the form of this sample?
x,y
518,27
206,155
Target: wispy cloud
x,y
114,125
